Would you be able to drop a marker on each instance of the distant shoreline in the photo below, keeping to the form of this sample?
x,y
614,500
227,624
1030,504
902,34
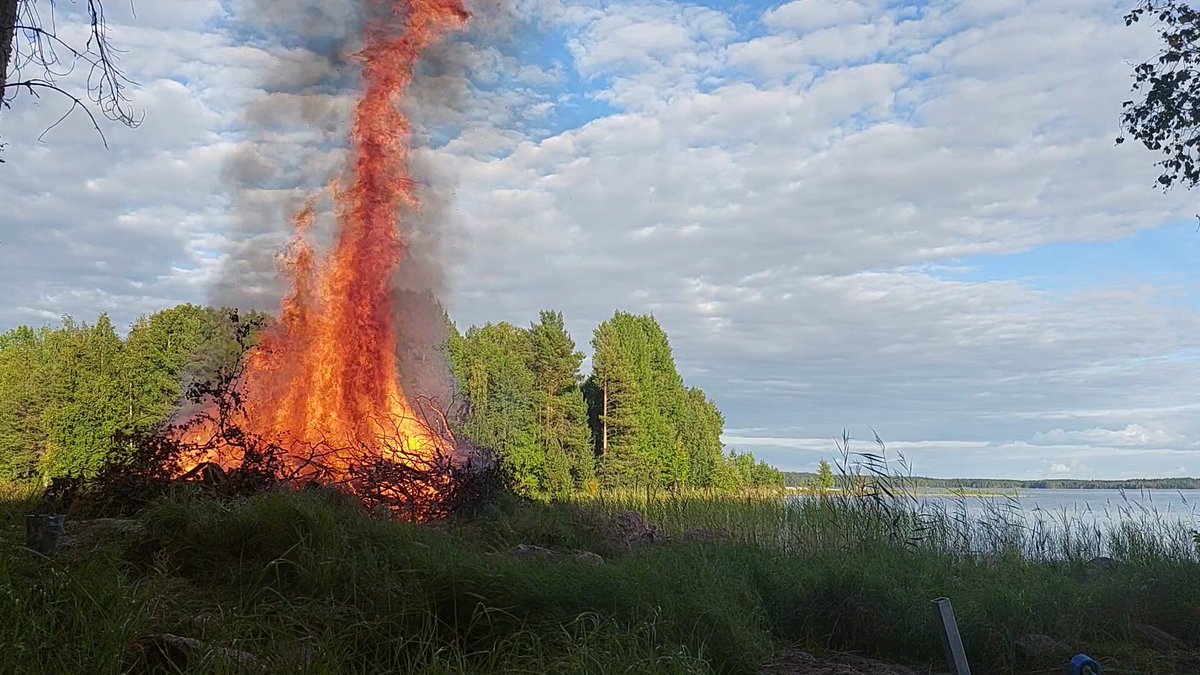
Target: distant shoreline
x,y
799,479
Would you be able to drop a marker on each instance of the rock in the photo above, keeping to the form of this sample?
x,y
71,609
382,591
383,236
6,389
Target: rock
x,y
633,530
173,652
530,551
1038,646
589,557
1098,567
80,533
1157,637
703,536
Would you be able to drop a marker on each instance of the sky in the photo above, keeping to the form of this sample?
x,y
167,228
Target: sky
x,y
900,218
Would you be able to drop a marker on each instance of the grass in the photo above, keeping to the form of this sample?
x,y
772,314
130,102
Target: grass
x,y
313,584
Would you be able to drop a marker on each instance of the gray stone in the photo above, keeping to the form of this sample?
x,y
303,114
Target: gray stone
x,y
1098,567
81,533
633,530
1157,637
1038,646
528,551
589,557
169,651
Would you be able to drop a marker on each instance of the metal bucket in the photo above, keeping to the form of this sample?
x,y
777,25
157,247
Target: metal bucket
x,y
42,532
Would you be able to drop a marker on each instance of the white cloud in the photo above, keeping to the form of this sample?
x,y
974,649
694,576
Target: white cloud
x,y
792,206
1133,435
804,15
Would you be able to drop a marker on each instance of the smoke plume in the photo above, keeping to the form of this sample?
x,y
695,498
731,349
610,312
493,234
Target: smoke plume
x,y
296,138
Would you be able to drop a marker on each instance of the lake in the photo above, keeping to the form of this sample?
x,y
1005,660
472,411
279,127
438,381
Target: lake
x,y
1086,505
1058,524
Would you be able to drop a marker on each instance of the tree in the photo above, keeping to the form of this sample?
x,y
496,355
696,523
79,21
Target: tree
x,y
613,398
23,399
562,425
649,427
824,476
492,365
35,53
1165,116
700,434
84,411
160,352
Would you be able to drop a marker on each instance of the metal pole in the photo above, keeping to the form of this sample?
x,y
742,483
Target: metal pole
x,y
951,640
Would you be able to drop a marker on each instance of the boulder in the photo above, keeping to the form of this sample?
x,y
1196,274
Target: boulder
x,y
1157,637
1098,567
589,557
165,651
633,530
89,533
529,551
1039,646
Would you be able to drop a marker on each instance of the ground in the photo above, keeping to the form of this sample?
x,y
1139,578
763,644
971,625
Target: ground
x,y
799,662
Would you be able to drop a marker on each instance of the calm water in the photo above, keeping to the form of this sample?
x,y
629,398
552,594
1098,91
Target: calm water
x,y
1088,505
1054,524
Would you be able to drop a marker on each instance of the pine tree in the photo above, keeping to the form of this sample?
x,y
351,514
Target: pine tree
x,y
642,415
824,476
562,426
23,400
615,399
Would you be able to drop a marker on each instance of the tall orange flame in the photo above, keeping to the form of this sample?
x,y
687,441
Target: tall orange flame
x,y
326,374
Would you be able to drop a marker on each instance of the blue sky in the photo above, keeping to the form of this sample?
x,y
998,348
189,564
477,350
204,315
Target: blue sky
x,y
848,214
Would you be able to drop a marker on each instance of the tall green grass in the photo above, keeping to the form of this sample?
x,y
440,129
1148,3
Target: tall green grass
x,y
313,584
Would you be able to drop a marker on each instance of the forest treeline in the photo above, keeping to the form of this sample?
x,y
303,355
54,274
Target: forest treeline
x,y
631,422
69,394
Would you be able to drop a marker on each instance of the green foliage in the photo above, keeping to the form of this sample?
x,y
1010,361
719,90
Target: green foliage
x,y
156,352
85,409
522,387
1163,116
631,423
562,425
23,399
650,429
311,584
492,364
825,476
68,394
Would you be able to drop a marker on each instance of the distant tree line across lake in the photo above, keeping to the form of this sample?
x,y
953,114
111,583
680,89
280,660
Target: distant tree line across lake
x,y
805,479
70,393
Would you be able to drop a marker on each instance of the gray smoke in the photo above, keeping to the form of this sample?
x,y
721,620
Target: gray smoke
x,y
296,144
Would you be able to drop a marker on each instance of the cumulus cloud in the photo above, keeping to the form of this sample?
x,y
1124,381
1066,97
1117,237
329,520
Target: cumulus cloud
x,y
1133,435
816,199
807,15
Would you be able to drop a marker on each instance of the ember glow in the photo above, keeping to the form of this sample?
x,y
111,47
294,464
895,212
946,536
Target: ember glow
x,y
323,383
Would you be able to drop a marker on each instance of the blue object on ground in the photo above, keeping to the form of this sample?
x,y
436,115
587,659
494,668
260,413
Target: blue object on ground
x,y
1083,664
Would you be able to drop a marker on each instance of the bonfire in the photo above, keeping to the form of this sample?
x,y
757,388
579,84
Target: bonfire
x,y
319,399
